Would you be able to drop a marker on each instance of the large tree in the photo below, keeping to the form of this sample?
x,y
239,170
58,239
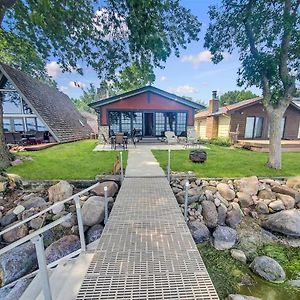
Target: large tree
x,y
266,34
236,96
105,35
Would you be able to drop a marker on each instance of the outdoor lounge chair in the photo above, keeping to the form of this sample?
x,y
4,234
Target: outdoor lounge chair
x,y
171,137
192,140
121,140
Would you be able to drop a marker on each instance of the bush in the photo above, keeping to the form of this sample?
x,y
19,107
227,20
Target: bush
x,y
219,141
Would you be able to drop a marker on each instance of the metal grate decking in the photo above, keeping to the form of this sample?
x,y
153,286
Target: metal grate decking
x,y
146,250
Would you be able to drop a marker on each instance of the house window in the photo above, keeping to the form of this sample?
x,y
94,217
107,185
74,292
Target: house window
x,y
18,125
40,125
137,120
283,120
181,124
12,103
159,124
31,124
114,121
126,122
6,125
170,121
254,127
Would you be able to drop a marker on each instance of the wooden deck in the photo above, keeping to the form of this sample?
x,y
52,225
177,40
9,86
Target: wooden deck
x,y
39,146
263,145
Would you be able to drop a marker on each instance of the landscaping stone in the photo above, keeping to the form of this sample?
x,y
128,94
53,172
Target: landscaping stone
x,y
17,263
277,205
198,156
288,201
242,297
245,199
93,211
60,191
62,247
282,189
262,207
15,233
112,189
224,237
36,223
70,222
295,283
249,185
34,202
293,182
210,214
268,268
8,219
193,196
286,222
199,231
265,194
3,186
59,207
19,209
225,191
222,210
94,233
238,255
234,215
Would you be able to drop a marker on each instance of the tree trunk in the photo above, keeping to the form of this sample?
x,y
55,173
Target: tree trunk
x,y
4,153
275,116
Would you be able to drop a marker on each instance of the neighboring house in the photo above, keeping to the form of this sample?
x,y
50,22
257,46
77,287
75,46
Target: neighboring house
x,y
247,119
148,110
91,120
32,106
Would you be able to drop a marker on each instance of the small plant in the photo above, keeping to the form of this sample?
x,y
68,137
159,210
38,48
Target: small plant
x,y
220,141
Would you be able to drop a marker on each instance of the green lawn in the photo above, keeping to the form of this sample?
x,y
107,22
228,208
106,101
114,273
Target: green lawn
x,y
67,161
227,162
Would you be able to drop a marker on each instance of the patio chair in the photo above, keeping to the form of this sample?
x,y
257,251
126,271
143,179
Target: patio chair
x,y
121,140
192,139
171,137
104,140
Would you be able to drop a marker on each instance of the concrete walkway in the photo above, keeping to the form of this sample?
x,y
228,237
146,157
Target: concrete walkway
x,y
146,250
142,163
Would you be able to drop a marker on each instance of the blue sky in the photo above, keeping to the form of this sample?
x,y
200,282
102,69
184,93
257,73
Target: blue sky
x,y
192,74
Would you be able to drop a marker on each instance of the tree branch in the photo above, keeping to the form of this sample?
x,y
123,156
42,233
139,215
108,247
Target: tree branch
x,y
4,6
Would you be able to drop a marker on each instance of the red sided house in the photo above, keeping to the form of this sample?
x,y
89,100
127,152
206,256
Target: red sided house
x,y
148,110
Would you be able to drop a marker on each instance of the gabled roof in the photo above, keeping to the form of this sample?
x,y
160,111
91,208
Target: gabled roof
x,y
144,89
235,106
53,107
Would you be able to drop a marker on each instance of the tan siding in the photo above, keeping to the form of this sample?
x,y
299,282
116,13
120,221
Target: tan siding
x,y
201,128
223,128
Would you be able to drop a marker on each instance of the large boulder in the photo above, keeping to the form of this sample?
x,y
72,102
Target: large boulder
x,y
224,237
34,202
222,210
94,233
234,215
283,189
112,188
15,233
262,207
245,199
62,247
286,222
93,211
225,191
242,297
15,292
276,205
288,201
209,213
8,219
60,191
193,196
294,182
266,195
268,268
17,263
249,185
199,231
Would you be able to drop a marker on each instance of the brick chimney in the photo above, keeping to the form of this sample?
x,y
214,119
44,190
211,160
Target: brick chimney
x,y
213,105
212,121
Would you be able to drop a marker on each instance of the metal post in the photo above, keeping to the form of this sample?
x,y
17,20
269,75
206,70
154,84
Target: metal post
x,y
169,165
122,172
187,185
39,248
106,205
80,223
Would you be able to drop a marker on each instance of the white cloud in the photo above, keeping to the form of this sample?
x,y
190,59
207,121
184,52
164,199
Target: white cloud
x,y
163,78
201,57
77,84
53,69
63,88
184,89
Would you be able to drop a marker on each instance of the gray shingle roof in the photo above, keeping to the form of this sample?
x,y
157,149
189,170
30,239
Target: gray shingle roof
x,y
54,107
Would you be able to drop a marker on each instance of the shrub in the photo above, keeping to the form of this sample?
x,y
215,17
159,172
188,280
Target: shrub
x,y
219,141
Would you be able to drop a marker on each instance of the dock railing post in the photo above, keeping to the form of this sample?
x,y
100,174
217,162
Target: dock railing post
x,y
40,253
169,165
106,205
187,185
80,223
122,171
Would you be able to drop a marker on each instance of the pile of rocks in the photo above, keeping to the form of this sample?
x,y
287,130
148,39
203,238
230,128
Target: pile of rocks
x,y
60,240
218,211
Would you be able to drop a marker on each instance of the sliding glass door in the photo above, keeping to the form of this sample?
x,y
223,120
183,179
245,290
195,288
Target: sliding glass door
x,y
254,127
